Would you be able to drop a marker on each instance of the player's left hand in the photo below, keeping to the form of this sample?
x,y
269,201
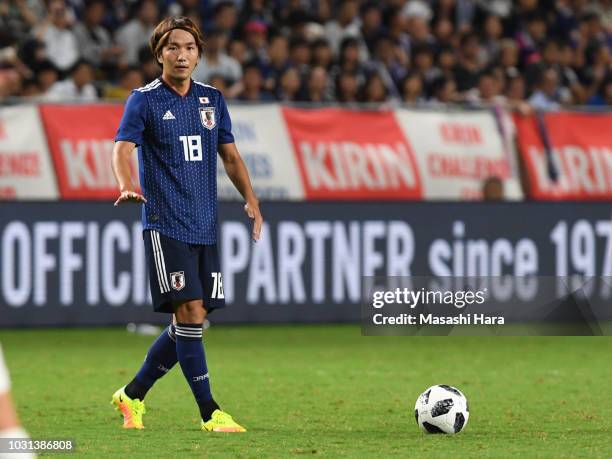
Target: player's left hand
x,y
252,210
130,196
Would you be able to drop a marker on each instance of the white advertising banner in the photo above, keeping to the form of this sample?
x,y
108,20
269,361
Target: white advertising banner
x,y
457,151
261,137
26,171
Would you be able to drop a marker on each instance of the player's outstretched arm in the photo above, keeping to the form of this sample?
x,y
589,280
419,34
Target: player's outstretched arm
x,y
239,175
121,168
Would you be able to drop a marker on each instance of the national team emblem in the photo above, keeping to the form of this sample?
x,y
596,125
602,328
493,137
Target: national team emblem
x,y
207,116
177,280
204,100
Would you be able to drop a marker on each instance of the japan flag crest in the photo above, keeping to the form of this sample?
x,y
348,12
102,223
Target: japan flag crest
x,y
207,116
177,280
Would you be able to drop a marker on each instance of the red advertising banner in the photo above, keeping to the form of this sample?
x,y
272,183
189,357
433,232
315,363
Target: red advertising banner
x,y
81,140
345,154
581,155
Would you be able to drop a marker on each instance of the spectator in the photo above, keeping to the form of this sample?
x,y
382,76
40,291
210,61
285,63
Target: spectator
x,y
445,10
255,33
194,9
300,56
322,55
571,90
256,10
225,18
549,56
515,93
347,88
444,92
508,55
32,53
545,97
493,31
598,61
252,85
375,91
46,75
10,83
413,89
324,11
423,64
215,61
277,61
531,37
130,79
432,37
446,61
17,18
348,61
148,64
135,34
396,26
60,42
78,87
590,30
470,65
417,9
487,92
289,85
346,25
296,24
569,77
219,82
30,88
237,50
371,25
493,189
603,96
444,33
419,33
94,41
317,89
390,62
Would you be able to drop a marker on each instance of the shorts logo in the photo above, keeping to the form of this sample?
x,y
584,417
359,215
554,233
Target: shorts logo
x,y
177,280
207,116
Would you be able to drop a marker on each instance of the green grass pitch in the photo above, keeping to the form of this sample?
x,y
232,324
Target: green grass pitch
x,y
320,391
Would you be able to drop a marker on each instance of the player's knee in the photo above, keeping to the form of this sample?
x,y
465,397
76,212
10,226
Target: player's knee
x,y
190,312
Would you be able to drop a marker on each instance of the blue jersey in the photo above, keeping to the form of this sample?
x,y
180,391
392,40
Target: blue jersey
x,y
177,156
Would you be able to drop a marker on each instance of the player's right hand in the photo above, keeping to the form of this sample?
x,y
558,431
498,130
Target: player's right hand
x,y
129,196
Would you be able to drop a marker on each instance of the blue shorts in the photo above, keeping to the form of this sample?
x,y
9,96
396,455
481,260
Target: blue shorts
x,y
179,272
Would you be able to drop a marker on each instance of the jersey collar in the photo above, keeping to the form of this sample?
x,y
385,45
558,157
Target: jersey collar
x,y
173,90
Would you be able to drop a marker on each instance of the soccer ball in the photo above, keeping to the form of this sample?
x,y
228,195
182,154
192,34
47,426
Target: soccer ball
x,y
442,409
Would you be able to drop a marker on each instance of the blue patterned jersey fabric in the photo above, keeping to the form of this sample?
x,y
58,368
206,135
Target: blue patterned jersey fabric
x,y
177,138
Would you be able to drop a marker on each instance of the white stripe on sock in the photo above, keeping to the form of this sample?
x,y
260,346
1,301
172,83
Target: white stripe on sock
x,y
188,336
189,331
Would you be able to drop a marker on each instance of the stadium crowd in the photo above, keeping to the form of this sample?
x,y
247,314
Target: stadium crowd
x,y
522,54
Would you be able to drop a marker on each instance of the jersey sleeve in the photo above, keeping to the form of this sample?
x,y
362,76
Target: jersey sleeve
x,y
225,124
132,123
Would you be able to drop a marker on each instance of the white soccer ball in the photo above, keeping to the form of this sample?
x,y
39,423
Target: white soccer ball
x,y
442,409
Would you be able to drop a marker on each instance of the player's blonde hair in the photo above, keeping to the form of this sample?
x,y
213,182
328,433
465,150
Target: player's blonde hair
x,y
160,35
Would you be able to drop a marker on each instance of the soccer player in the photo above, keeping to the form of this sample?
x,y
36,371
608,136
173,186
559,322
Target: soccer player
x,y
179,126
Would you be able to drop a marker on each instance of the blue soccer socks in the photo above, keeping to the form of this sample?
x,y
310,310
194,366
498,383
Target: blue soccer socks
x,y
190,352
160,358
